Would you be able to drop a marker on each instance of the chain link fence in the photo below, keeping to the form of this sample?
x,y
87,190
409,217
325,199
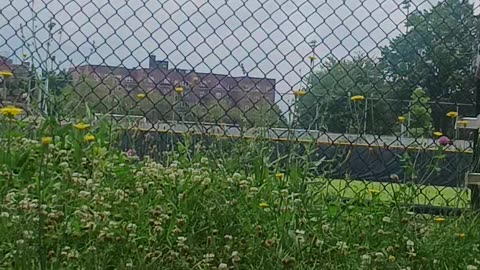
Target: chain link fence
x,y
378,85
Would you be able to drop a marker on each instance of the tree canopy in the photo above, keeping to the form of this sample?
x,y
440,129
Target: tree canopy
x,y
437,54
327,103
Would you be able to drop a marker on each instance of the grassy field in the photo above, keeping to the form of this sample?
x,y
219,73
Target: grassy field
x,y
72,200
426,195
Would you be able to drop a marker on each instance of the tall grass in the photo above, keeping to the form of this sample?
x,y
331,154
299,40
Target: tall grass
x,y
73,203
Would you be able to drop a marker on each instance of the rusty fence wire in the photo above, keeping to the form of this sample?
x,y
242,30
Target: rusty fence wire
x,y
384,84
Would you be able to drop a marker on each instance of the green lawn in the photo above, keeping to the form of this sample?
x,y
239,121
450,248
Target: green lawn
x,y
421,194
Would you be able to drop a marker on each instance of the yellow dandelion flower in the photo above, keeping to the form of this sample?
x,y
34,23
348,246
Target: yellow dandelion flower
x,y
401,119
452,114
299,93
373,192
46,140
141,96
89,137
357,98
462,123
263,205
439,220
10,111
6,74
179,89
81,126
460,235
391,258
279,176
437,134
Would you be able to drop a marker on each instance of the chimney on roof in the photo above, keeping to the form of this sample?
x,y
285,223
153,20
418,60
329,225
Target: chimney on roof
x,y
152,61
156,64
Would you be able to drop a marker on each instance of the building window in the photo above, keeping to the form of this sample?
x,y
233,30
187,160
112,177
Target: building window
x,y
128,79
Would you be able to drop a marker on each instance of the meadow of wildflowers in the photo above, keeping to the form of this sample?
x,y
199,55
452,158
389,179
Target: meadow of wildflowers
x,y
71,199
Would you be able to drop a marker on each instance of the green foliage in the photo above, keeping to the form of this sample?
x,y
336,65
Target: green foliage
x,y
74,204
327,104
420,114
107,97
258,114
436,53
220,112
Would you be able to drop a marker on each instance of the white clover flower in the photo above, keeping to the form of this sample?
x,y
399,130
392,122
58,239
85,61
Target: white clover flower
x,y
131,227
366,259
206,181
64,164
342,245
209,255
140,190
197,179
301,232
83,194
181,239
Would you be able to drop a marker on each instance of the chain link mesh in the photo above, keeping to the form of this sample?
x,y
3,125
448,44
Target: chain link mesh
x,y
382,86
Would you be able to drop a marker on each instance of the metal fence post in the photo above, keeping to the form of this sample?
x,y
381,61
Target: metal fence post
x,y
475,191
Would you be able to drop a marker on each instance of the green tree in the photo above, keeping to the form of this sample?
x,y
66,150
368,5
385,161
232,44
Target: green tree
x,y
215,112
263,114
420,114
327,105
108,97
436,54
257,114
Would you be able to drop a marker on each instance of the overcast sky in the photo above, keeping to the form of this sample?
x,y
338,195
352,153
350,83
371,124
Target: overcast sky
x,y
269,37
